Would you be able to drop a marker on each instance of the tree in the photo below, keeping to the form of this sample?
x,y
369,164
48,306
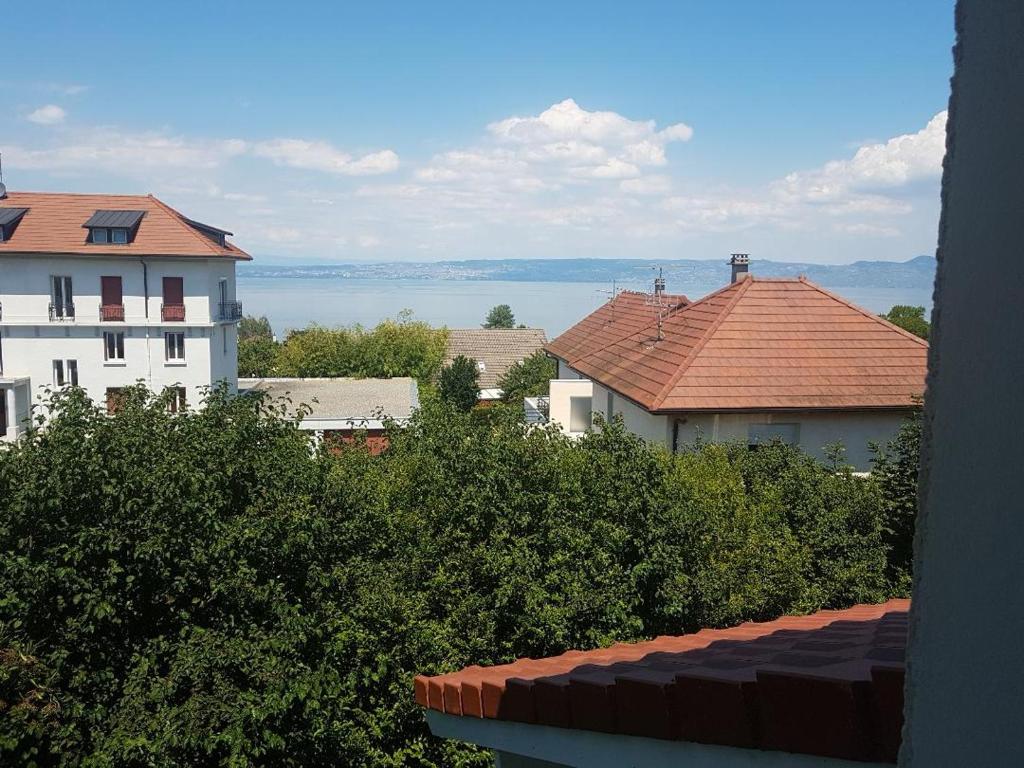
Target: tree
x,y
202,588
500,316
393,348
459,383
257,357
895,468
909,319
255,328
529,377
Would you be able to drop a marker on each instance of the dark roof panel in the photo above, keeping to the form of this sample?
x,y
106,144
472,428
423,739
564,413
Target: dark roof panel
x,y
11,215
115,219
206,227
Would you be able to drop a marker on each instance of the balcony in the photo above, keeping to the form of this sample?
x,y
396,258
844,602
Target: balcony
x,y
111,313
62,311
230,310
172,313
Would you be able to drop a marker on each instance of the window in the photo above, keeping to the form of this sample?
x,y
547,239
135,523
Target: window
x,y
103,235
177,399
62,300
113,345
174,346
579,414
610,407
758,434
65,372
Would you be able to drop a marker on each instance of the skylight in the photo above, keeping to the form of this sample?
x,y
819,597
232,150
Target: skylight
x,y
9,218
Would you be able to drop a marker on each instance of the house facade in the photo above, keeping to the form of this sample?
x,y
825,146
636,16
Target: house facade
x,y
103,291
758,360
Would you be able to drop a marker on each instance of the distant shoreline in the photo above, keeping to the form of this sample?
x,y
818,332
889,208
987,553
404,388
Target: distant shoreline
x,y
917,273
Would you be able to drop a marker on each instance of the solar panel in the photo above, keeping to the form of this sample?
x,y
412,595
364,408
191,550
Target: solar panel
x,y
11,215
115,219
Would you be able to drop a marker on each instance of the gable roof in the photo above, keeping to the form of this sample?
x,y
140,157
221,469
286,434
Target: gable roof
x,y
763,344
497,348
828,684
54,224
618,318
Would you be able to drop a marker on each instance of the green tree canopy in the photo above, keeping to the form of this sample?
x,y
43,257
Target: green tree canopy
x,y
459,383
402,347
203,589
500,316
528,378
255,328
909,319
257,356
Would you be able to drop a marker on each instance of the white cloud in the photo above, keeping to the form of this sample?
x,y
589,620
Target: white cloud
x,y
648,185
50,114
322,156
125,153
368,241
874,167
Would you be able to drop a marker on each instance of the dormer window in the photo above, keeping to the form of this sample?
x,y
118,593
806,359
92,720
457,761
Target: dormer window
x,y
9,218
214,234
113,227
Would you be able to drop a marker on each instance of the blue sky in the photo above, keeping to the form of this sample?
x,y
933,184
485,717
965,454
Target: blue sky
x,y
353,132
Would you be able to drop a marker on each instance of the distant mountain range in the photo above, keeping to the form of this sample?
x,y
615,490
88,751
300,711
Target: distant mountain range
x,y
918,272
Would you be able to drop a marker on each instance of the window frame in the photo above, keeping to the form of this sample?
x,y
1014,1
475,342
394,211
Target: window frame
x,y
174,346
57,368
115,352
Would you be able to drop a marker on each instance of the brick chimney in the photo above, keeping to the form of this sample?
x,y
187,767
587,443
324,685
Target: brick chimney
x,y
740,263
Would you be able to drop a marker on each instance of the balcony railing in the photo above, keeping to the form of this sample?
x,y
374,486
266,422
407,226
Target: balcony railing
x,y
230,310
64,311
172,313
111,312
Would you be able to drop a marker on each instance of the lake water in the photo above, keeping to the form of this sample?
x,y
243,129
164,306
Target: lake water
x,y
295,302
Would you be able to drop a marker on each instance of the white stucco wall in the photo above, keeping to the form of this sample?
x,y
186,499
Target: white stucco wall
x,y
561,393
565,372
855,430
31,341
964,700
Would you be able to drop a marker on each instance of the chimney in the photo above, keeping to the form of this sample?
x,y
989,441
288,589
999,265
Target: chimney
x,y
740,263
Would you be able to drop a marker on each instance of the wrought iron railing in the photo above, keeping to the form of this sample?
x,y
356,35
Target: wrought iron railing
x,y
230,310
62,311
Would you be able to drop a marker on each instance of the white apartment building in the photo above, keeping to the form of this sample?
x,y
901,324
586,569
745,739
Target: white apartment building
x,y
102,291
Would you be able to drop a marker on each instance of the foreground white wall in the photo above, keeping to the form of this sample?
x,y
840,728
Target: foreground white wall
x,y
964,700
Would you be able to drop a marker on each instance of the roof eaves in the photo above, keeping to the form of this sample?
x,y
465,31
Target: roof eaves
x,y
206,243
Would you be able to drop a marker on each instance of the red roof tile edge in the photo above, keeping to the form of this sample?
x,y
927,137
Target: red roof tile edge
x,y
828,684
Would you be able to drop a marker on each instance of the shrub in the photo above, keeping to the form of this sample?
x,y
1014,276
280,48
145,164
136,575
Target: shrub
x,y
202,589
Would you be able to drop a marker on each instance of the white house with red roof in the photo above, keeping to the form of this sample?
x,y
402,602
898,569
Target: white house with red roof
x,y
102,291
757,360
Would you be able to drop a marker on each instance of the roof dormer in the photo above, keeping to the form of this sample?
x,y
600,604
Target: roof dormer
x,y
218,236
113,227
9,218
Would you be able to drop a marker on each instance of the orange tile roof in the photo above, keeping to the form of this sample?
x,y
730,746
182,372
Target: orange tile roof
x,y
618,318
829,684
53,225
757,344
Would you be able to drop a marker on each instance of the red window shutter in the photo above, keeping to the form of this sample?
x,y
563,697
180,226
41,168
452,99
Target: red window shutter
x,y
110,290
174,291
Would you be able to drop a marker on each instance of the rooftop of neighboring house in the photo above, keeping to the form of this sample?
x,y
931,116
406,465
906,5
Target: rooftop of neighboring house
x,y
625,314
829,684
58,223
494,349
343,403
757,344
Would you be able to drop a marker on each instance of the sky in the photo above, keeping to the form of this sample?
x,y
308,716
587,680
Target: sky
x,y
353,132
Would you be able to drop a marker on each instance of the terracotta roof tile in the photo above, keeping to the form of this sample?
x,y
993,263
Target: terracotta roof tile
x,y
828,684
54,222
755,344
